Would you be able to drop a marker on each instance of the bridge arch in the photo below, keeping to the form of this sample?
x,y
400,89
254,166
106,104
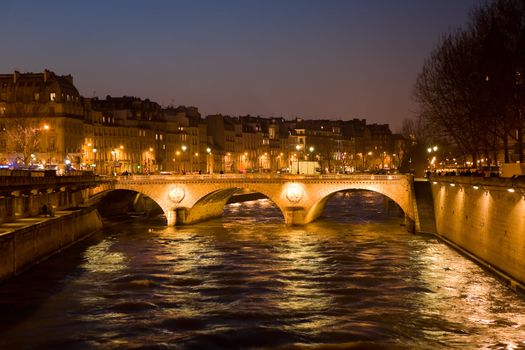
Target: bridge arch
x,y
120,201
211,205
318,207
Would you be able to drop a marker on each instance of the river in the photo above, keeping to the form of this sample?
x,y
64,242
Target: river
x,y
353,279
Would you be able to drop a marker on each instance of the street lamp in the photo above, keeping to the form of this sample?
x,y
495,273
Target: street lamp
x,y
208,162
198,163
364,157
95,160
113,161
298,148
184,148
432,162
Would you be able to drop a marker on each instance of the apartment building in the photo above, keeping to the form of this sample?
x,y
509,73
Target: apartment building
x,y
45,123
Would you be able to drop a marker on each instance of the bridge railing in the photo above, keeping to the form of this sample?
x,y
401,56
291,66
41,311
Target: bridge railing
x,y
211,177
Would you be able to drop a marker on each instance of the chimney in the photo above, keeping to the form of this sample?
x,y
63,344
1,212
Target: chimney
x,y
69,78
46,75
16,74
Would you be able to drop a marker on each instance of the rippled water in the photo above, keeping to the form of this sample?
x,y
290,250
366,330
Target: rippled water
x,y
354,279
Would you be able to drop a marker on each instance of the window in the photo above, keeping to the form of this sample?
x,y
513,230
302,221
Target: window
x,y
37,96
52,96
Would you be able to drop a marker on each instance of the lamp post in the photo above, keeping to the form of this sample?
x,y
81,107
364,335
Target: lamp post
x,y
183,157
432,162
46,129
298,148
209,169
196,154
311,149
113,161
364,157
94,160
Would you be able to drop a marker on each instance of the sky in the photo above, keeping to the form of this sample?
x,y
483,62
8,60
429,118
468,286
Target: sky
x,y
313,59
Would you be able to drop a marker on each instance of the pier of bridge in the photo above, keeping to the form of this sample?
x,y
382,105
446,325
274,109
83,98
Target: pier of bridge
x,y
189,199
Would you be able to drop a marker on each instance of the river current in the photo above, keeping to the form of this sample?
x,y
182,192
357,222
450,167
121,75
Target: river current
x,y
354,279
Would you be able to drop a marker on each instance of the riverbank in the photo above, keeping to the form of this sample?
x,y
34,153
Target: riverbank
x,y
483,218
27,241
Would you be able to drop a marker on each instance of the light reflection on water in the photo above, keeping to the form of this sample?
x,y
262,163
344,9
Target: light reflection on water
x,y
249,281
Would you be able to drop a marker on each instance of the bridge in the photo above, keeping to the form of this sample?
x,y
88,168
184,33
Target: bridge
x,y
187,199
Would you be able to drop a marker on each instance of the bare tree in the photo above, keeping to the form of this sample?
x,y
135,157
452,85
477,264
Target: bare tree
x,y
24,137
470,89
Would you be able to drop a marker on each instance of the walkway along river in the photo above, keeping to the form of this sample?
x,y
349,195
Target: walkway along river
x,y
354,277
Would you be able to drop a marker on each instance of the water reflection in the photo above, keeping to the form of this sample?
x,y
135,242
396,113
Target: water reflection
x,y
249,281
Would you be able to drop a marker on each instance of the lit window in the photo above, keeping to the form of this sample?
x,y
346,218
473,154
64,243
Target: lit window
x,y
52,96
37,96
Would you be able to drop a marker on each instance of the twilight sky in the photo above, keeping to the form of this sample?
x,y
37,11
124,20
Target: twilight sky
x,y
292,58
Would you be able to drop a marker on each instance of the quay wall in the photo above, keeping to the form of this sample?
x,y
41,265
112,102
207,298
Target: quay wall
x,y
26,246
484,217
13,208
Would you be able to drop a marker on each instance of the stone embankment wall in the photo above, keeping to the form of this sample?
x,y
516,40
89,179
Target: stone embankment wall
x,y
486,218
21,248
15,207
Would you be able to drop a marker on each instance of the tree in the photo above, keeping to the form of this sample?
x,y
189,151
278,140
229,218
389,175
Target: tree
x,y
24,137
470,89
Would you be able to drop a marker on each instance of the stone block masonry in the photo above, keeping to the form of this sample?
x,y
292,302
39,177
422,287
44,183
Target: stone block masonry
x,y
25,243
486,218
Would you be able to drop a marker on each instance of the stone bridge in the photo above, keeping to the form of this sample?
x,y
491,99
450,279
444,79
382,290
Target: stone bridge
x,y
188,199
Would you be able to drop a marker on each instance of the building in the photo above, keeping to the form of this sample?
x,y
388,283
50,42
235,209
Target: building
x,y
42,121
45,123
